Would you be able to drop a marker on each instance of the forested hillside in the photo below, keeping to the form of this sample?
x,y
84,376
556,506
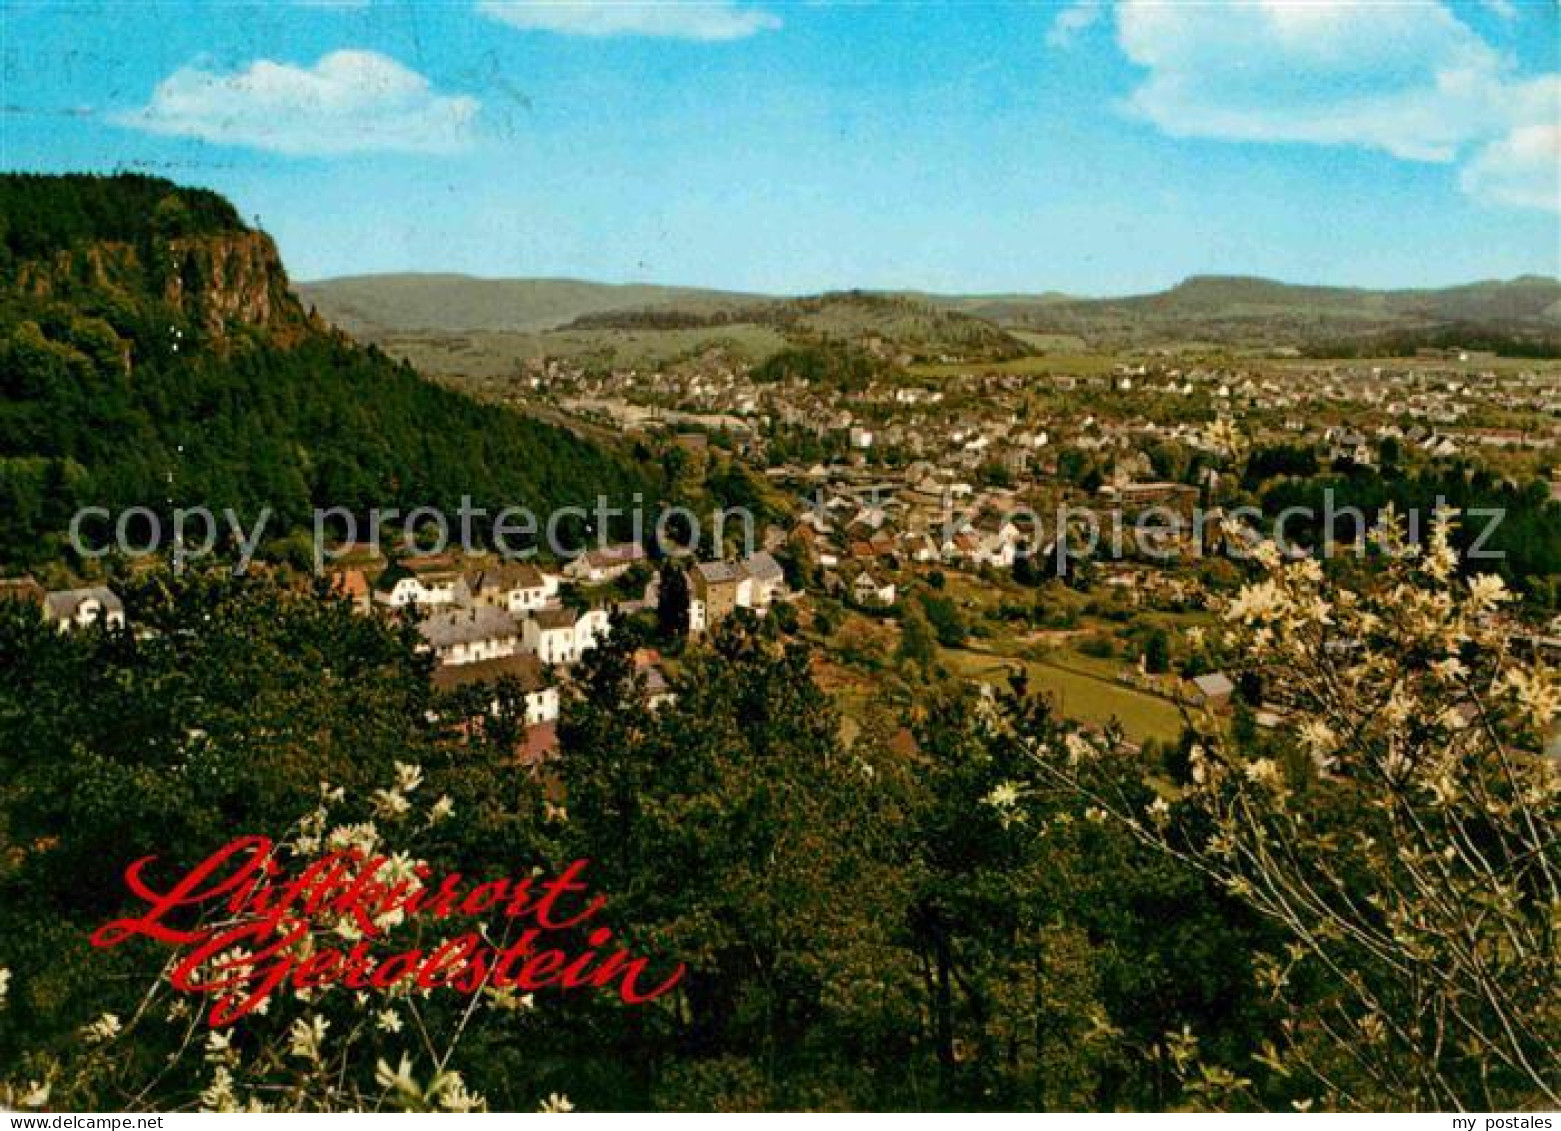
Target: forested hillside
x,y
152,354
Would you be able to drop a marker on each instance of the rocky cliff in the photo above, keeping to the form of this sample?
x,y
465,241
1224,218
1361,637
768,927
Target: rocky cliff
x,y
216,284
150,243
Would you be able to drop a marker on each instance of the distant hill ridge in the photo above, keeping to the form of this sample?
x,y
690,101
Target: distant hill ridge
x,y
907,322
531,316
1234,310
442,302
1518,315
1524,297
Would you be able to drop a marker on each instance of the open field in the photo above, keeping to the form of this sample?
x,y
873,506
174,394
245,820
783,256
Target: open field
x,y
1089,699
1479,365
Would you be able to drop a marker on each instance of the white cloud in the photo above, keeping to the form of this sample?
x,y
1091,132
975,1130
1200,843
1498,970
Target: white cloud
x,y
348,102
704,20
1073,21
1410,80
1523,169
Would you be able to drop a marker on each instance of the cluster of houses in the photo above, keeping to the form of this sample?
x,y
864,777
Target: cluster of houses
x,y
489,613
509,620
858,527
480,624
984,419
488,623
501,621
1341,443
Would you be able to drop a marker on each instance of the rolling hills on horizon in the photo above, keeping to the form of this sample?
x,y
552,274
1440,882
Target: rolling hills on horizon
x,y
452,302
1238,311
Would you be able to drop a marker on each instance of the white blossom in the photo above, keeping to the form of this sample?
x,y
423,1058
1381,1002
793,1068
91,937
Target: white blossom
x,y
1004,795
390,803
1256,603
1078,747
105,1028
364,837
408,777
399,1079
1262,771
452,1094
219,1046
1486,591
1537,693
219,1095
307,1037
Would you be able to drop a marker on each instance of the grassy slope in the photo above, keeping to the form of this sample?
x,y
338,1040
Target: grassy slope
x,y
1094,700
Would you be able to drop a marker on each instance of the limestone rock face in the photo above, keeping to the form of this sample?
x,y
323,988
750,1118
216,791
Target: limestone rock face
x,y
231,279
215,283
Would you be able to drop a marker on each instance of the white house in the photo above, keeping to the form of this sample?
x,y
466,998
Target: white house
x,y
560,636
922,548
590,630
541,704
605,564
869,592
422,581
517,586
79,608
997,543
550,634
470,635
540,694
767,578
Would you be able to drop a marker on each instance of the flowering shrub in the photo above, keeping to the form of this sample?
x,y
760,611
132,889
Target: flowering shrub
x,y
1404,835
322,1048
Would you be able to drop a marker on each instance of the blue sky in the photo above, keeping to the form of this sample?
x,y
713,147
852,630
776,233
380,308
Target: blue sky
x,y
1093,146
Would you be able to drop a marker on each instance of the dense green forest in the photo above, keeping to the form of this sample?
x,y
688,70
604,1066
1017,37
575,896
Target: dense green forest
x,y
41,215
119,387
861,929
824,365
